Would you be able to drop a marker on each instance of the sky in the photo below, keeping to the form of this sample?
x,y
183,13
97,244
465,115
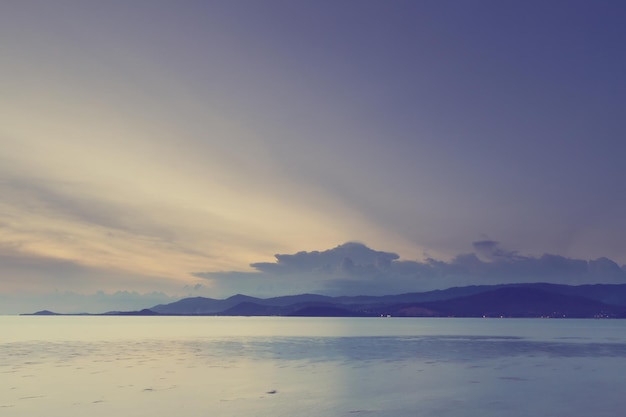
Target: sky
x,y
152,150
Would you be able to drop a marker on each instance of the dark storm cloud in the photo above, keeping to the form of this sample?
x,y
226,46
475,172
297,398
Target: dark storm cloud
x,y
353,268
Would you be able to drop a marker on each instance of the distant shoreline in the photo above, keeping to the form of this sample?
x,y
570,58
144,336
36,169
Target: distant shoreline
x,y
538,300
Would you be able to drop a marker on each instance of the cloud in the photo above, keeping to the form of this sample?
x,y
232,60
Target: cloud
x,y
76,203
490,250
350,257
31,273
77,228
355,269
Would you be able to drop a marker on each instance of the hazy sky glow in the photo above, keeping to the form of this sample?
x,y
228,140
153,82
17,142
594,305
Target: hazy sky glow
x,y
154,147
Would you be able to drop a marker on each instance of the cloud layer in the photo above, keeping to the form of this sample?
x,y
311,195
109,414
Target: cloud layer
x,y
353,269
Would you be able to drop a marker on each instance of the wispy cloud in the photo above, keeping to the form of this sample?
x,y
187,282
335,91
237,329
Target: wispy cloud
x,y
61,234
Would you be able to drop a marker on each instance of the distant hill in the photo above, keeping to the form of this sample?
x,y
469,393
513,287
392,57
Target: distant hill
x,y
43,313
613,294
144,312
201,305
326,310
204,306
510,300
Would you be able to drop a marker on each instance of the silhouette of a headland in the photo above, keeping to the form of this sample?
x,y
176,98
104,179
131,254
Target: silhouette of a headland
x,y
507,300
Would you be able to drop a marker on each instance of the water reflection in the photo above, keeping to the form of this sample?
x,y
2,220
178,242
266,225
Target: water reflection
x,y
192,372
449,348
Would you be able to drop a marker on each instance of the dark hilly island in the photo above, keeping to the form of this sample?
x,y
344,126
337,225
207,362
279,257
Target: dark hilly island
x,y
510,300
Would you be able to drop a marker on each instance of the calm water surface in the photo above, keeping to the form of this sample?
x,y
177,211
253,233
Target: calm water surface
x,y
240,366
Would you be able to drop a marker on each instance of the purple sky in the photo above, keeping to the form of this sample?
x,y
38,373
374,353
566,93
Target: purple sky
x,y
154,149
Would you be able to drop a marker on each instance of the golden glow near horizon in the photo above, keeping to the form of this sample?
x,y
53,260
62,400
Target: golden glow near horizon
x,y
87,184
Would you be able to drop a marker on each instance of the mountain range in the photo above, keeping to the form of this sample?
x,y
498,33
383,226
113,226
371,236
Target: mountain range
x,y
507,300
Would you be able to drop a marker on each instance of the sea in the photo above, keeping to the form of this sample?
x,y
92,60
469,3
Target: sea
x,y
103,366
